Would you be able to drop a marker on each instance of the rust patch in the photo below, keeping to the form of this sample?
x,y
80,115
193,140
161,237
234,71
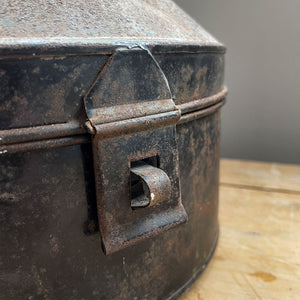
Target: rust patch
x,y
53,244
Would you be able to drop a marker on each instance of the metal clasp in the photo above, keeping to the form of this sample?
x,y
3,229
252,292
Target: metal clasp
x,y
152,185
133,121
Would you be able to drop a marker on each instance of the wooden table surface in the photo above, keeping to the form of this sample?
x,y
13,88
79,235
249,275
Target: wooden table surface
x,y
258,254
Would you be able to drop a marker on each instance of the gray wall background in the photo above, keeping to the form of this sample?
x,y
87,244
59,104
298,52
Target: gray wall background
x,y
261,120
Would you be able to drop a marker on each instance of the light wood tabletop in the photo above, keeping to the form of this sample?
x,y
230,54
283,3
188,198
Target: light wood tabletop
x,y
258,253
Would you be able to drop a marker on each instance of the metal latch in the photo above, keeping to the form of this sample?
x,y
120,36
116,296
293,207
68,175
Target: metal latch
x,y
133,121
150,187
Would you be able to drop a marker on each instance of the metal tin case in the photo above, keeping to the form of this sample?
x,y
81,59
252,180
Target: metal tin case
x,y
109,149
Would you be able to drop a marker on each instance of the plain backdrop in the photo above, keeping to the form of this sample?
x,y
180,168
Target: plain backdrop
x,y
261,120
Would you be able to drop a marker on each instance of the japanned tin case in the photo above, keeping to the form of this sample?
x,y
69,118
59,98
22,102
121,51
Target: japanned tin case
x,y
109,149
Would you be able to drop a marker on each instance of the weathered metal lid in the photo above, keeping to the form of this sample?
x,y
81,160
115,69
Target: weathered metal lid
x,y
56,52
104,24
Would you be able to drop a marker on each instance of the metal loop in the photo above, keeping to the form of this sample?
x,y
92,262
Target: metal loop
x,y
156,185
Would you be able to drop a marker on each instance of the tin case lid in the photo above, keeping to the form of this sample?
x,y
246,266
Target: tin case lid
x,y
52,52
103,24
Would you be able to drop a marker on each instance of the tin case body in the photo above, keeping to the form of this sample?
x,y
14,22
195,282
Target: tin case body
x,y
109,149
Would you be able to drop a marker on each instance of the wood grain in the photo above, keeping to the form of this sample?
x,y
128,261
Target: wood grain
x,y
258,255
260,175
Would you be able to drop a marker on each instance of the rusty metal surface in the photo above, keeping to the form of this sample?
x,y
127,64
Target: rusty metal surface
x,y
78,23
136,135
64,219
44,144
119,91
39,133
60,135
47,216
27,145
38,92
127,226
200,104
44,191
155,183
193,76
50,90
201,113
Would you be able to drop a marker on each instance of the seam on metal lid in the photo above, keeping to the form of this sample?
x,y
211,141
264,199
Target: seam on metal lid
x,y
67,134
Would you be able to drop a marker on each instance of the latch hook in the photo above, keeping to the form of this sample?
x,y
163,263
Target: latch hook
x,y
156,185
